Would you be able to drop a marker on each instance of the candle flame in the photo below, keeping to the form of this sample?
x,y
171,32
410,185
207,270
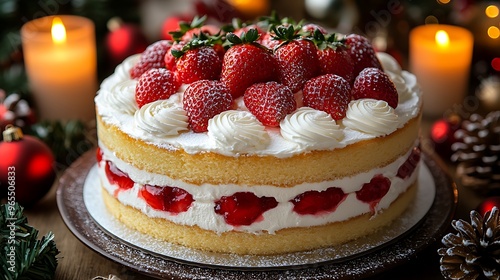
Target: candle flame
x,y
442,38
58,31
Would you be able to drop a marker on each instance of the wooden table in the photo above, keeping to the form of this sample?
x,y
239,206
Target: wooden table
x,y
76,261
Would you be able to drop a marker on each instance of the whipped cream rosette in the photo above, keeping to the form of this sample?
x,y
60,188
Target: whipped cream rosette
x,y
161,118
371,116
237,131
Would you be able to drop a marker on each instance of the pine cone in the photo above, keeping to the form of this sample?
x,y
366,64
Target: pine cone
x,y
477,152
473,252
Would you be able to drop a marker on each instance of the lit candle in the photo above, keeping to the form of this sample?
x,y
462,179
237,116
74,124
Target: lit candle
x,y
440,57
60,60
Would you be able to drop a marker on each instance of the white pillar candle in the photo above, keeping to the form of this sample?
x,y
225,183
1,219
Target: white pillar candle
x,y
61,65
440,57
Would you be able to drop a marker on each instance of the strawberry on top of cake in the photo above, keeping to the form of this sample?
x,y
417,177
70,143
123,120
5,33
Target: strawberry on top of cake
x,y
270,69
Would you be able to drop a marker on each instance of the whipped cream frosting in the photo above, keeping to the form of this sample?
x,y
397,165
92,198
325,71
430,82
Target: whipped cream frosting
x,y
161,118
121,97
201,213
389,63
371,116
274,145
237,132
311,129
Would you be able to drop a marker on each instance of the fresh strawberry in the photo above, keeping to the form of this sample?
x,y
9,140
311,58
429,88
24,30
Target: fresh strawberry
x,y
207,29
362,53
243,208
297,59
318,202
336,61
152,57
203,100
330,93
155,84
333,57
407,168
269,102
170,59
374,83
374,191
117,177
246,63
310,28
241,31
170,199
188,30
201,63
98,155
269,40
220,50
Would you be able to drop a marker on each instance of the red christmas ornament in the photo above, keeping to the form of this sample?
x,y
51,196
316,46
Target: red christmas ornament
x,y
26,167
488,204
442,135
124,40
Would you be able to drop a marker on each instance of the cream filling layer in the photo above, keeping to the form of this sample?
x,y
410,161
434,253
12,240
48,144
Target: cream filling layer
x,y
202,214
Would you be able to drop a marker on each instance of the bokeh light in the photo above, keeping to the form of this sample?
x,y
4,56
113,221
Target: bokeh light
x,y
493,32
495,63
492,11
431,20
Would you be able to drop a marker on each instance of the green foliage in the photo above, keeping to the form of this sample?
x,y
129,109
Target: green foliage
x,y
24,256
67,140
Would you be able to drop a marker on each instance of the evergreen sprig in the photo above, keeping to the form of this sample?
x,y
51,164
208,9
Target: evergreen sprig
x,y
24,256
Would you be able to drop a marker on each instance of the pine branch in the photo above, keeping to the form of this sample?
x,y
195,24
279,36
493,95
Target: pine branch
x,y
23,256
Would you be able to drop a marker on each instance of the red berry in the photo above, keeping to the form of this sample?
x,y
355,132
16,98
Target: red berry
x,y
117,177
201,63
329,93
318,202
374,191
220,50
374,83
157,83
269,41
152,57
98,155
243,208
337,61
170,60
310,28
171,199
240,31
362,53
245,65
207,29
203,100
269,102
407,168
297,63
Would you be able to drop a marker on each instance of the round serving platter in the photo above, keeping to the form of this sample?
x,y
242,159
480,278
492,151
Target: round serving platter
x,y
83,211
